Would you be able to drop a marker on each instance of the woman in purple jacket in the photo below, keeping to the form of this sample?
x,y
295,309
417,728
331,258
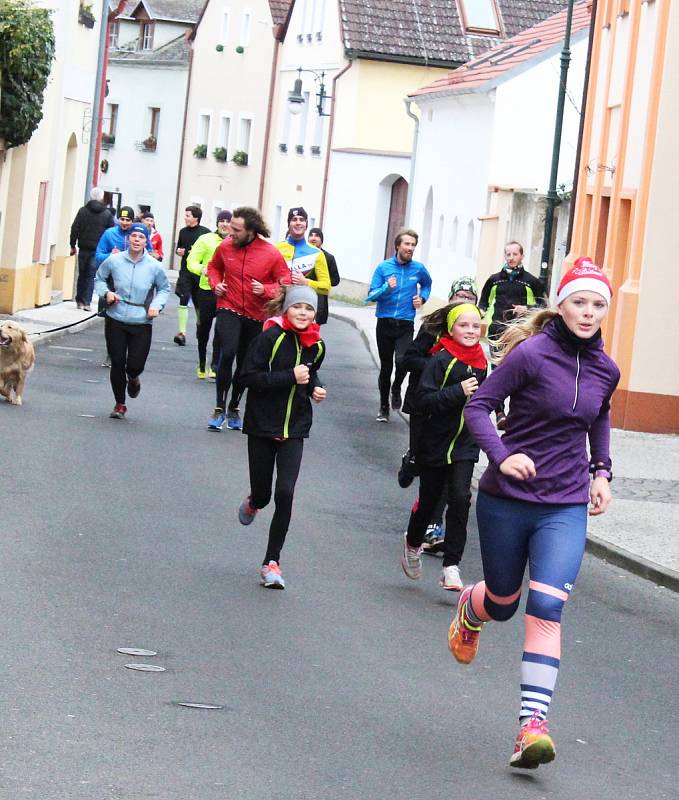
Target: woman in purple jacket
x,y
532,500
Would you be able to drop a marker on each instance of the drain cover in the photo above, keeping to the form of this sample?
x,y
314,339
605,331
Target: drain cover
x,y
145,667
135,651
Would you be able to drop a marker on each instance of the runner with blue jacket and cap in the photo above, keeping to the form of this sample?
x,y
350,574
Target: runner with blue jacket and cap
x,y
135,288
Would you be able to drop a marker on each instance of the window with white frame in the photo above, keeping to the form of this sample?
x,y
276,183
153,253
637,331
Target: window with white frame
x,y
453,235
203,134
224,131
245,28
439,235
245,134
318,19
114,34
480,16
225,27
277,221
469,244
319,133
146,36
286,121
302,125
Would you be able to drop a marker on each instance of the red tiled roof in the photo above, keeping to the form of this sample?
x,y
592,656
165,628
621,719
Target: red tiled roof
x,y
497,62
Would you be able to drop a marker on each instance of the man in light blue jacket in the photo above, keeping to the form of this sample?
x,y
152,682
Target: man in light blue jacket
x,y
135,288
399,286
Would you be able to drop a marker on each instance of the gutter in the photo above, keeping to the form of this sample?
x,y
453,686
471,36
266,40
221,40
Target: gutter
x,y
413,158
326,170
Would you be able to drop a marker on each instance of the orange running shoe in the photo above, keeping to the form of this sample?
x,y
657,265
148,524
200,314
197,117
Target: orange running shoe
x,y
463,637
534,745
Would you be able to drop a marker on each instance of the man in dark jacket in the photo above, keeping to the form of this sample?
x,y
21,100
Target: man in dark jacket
x,y
316,239
89,224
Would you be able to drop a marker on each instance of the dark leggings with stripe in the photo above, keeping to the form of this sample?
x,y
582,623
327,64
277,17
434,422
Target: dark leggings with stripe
x,y
286,456
551,539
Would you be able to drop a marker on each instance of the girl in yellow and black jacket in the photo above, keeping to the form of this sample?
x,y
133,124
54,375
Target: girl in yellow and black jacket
x,y
281,374
446,452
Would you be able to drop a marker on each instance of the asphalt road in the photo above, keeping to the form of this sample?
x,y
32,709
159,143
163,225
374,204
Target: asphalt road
x,y
124,534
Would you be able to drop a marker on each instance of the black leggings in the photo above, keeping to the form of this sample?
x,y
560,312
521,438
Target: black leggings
x,y
206,311
235,334
393,338
286,454
417,422
456,478
128,346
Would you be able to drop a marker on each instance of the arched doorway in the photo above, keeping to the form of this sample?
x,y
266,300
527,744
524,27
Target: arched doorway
x,y
397,214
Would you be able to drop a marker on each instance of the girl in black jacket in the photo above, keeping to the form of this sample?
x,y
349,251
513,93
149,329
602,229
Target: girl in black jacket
x,y
445,452
281,374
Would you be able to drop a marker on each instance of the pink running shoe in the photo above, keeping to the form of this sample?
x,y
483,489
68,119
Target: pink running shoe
x,y
271,576
534,745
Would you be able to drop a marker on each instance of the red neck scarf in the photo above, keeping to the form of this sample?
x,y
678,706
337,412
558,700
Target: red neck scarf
x,y
473,356
308,337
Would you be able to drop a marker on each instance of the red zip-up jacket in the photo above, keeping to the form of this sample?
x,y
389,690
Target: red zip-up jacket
x,y
238,266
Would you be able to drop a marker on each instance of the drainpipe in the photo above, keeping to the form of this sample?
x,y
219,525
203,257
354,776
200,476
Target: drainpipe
x,y
583,110
329,147
556,149
182,143
100,93
413,158
269,113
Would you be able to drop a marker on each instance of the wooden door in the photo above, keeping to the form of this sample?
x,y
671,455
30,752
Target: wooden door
x,y
397,214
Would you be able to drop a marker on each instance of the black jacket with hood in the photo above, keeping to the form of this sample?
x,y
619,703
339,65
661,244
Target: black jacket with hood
x,y
89,224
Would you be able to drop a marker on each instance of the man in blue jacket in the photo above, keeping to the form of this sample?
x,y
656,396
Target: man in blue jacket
x,y
135,288
115,239
399,286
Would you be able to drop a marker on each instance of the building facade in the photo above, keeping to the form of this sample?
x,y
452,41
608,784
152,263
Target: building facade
x,y
42,183
624,212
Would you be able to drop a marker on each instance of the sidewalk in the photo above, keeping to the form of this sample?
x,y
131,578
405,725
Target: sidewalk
x,y
638,533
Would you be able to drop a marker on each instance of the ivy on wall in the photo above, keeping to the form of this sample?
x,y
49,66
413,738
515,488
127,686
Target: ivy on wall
x,y
26,53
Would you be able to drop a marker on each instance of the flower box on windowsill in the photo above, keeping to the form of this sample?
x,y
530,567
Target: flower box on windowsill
x,y
150,144
107,141
240,157
299,149
86,17
315,150
220,154
283,147
200,151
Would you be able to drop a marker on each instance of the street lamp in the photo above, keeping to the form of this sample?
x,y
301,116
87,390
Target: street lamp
x,y
296,98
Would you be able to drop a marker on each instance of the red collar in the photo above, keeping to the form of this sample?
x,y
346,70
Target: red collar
x,y
473,356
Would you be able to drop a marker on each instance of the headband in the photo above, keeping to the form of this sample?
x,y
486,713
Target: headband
x,y
456,311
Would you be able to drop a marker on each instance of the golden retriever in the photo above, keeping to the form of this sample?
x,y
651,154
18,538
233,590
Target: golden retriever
x,y
16,361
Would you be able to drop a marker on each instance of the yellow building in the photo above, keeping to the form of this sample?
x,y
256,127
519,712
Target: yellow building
x,y
625,213
42,183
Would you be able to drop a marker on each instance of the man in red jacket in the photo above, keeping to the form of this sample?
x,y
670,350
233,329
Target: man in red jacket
x,y
245,272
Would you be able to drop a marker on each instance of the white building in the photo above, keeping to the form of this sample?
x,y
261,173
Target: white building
x,y
234,52
144,111
485,131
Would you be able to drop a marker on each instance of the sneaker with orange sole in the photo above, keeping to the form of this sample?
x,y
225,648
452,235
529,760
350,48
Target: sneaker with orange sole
x,y
271,577
534,745
463,638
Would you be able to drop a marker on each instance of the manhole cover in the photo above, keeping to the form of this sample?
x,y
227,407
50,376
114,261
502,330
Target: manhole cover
x,y
135,651
145,667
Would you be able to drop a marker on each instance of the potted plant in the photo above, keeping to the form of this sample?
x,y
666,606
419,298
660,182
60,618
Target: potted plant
x,y
150,142
107,140
299,149
240,157
200,151
85,15
220,154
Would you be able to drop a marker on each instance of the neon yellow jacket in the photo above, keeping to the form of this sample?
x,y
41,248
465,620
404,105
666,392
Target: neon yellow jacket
x,y
200,255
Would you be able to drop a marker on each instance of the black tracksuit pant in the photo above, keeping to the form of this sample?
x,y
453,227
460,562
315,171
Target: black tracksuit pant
x,y
456,479
128,347
286,455
393,338
235,334
206,310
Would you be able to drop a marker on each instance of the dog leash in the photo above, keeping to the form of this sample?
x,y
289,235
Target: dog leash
x,y
63,327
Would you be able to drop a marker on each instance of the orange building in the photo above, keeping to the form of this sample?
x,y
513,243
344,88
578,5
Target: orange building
x,y
627,197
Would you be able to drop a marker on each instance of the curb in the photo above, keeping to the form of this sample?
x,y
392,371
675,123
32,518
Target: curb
x,y
599,548
637,565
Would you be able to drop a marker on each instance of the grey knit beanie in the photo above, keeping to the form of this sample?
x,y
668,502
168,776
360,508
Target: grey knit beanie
x,y
300,294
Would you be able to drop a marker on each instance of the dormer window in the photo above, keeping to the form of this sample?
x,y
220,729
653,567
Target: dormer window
x,y
146,36
480,16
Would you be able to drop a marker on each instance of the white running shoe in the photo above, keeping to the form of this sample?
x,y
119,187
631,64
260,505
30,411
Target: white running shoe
x,y
411,560
450,579
270,576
